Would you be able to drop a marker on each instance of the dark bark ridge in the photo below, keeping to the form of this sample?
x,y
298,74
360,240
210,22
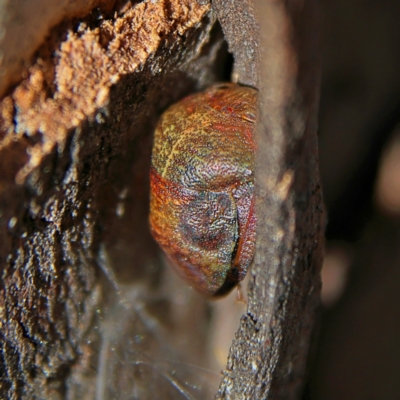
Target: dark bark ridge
x,y
268,356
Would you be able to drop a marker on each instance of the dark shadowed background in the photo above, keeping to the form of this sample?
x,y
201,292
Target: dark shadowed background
x,y
358,352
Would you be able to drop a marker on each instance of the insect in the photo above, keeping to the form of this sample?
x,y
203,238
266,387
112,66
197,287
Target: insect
x,y
202,186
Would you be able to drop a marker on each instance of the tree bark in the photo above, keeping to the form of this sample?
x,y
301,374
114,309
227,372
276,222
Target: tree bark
x,y
82,282
268,356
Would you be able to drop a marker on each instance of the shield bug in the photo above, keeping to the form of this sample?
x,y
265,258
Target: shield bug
x,y
202,186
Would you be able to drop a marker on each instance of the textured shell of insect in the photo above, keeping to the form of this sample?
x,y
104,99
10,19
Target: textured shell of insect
x,y
202,186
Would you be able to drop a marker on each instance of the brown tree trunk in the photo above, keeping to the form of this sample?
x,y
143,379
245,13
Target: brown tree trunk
x,y
87,308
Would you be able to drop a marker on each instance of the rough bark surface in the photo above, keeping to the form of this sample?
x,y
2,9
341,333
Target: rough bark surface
x,y
74,156
75,140
268,356
37,18
240,26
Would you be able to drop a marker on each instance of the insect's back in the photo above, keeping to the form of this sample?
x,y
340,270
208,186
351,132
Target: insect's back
x,y
202,185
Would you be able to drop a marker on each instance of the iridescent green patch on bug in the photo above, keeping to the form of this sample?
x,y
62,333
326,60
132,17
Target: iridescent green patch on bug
x,y
202,186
